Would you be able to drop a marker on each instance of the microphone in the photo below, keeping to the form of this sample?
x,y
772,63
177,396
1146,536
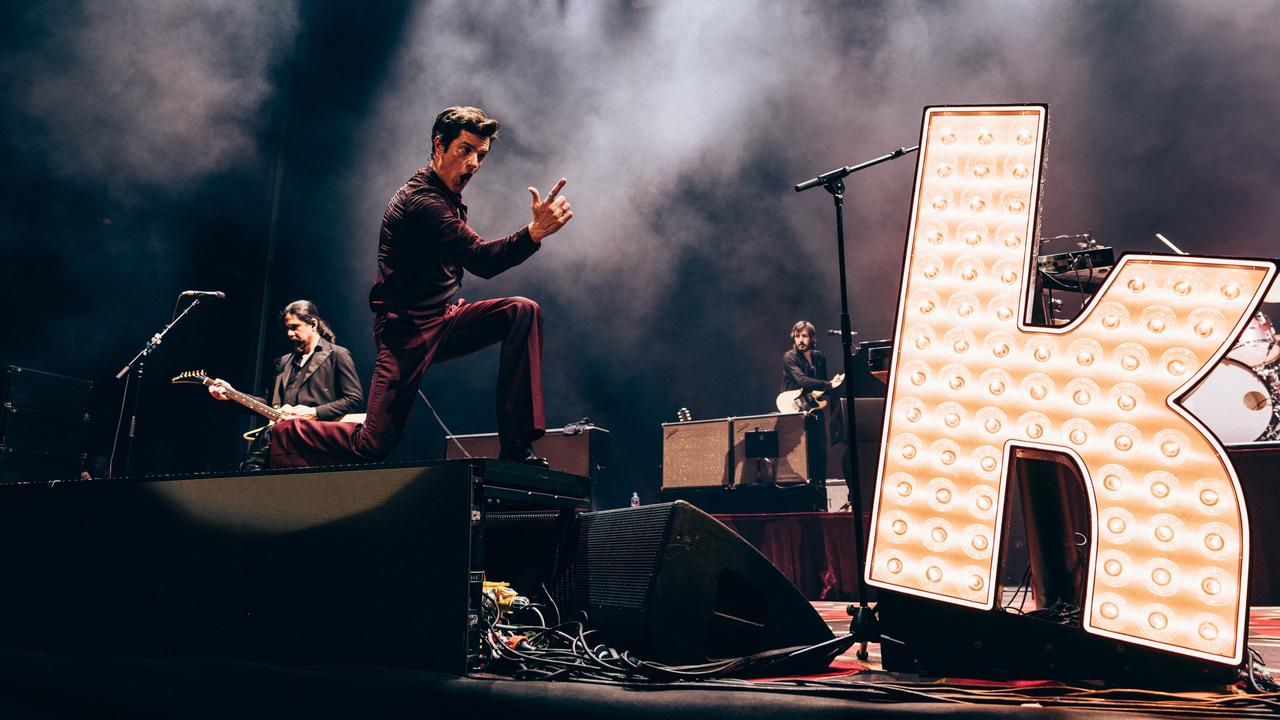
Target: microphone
x,y
837,333
215,294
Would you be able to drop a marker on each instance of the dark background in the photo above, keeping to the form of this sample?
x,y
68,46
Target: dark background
x,y
153,147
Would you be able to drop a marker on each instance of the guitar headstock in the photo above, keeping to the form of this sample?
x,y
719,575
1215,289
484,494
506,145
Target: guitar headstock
x,y
683,415
195,377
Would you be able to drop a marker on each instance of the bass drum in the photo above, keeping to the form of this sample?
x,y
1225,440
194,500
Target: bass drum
x,y
1233,402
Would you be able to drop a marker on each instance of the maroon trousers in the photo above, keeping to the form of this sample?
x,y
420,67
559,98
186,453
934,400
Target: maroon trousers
x,y
408,342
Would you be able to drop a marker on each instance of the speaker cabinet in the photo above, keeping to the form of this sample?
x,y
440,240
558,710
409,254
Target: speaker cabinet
x,y
670,583
18,465
696,454
47,392
791,466
43,420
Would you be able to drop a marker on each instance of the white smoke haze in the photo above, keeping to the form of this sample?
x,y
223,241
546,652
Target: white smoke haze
x,y
625,115
151,93
682,126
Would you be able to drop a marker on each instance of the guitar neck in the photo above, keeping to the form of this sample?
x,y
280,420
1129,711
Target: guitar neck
x,y
252,403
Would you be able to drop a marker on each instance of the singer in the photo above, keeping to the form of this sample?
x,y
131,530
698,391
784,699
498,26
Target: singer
x,y
424,246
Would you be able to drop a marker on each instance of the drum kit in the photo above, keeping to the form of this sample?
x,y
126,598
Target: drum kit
x,y
1239,400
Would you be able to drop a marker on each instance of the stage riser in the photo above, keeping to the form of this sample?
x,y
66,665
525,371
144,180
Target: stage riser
x,y
376,566
347,567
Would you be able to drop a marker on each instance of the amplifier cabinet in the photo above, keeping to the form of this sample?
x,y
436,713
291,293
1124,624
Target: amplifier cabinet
x,y
42,431
19,465
43,420
697,454
584,453
792,464
47,392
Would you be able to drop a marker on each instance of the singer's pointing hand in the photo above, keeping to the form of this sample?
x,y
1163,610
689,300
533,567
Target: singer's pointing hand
x,y
549,215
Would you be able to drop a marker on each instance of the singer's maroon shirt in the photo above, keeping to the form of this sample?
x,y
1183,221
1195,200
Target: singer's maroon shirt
x,y
425,244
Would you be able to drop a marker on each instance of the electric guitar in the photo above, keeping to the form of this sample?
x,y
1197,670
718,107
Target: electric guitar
x,y
791,401
274,414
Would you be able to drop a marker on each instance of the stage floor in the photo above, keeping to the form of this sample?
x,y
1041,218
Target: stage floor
x,y
1264,639
1264,631
40,685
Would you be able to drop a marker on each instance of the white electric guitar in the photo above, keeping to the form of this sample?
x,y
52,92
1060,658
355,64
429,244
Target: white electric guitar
x,y
274,414
801,401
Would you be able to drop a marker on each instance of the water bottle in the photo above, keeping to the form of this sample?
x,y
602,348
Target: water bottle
x,y
635,499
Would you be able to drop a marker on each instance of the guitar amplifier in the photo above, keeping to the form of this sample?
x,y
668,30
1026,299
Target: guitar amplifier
x,y
18,465
43,421
47,392
584,453
696,454
790,466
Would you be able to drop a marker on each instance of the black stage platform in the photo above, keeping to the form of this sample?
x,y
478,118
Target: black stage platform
x,y
350,592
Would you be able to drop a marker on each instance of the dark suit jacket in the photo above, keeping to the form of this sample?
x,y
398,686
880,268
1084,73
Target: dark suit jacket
x,y
328,383
797,373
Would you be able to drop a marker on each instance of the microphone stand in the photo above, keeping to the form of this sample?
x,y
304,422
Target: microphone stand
x,y
135,365
863,627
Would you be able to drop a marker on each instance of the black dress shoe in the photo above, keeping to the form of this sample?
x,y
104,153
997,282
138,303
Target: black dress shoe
x,y
526,456
259,452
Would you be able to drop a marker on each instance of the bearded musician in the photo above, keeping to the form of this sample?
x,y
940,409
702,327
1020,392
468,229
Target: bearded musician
x,y
316,381
804,368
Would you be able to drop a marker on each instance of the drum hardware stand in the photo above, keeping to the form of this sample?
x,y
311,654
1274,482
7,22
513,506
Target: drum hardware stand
x,y
1270,376
864,626
1170,244
135,366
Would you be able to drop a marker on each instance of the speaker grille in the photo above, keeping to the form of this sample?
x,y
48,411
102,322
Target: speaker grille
x,y
616,558
672,584
695,454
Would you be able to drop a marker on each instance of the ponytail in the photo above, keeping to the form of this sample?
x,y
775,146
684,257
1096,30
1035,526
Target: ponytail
x,y
305,310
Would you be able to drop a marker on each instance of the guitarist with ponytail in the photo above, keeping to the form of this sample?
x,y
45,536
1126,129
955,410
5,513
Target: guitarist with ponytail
x,y
316,381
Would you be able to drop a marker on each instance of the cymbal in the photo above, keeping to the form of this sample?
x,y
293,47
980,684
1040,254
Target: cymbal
x,y
1273,295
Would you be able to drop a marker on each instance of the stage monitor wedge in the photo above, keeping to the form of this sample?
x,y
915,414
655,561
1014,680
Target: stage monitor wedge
x,y
672,584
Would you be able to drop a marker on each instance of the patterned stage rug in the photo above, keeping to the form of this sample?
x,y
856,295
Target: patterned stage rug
x,y
1229,701
1264,632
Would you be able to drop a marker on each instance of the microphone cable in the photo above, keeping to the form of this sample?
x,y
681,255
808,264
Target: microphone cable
x,y
447,432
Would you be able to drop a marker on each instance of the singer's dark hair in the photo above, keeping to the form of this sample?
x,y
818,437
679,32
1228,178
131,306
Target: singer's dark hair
x,y
305,310
801,327
453,120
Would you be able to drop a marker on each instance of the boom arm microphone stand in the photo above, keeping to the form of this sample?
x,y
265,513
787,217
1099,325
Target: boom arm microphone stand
x,y
863,626
135,365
